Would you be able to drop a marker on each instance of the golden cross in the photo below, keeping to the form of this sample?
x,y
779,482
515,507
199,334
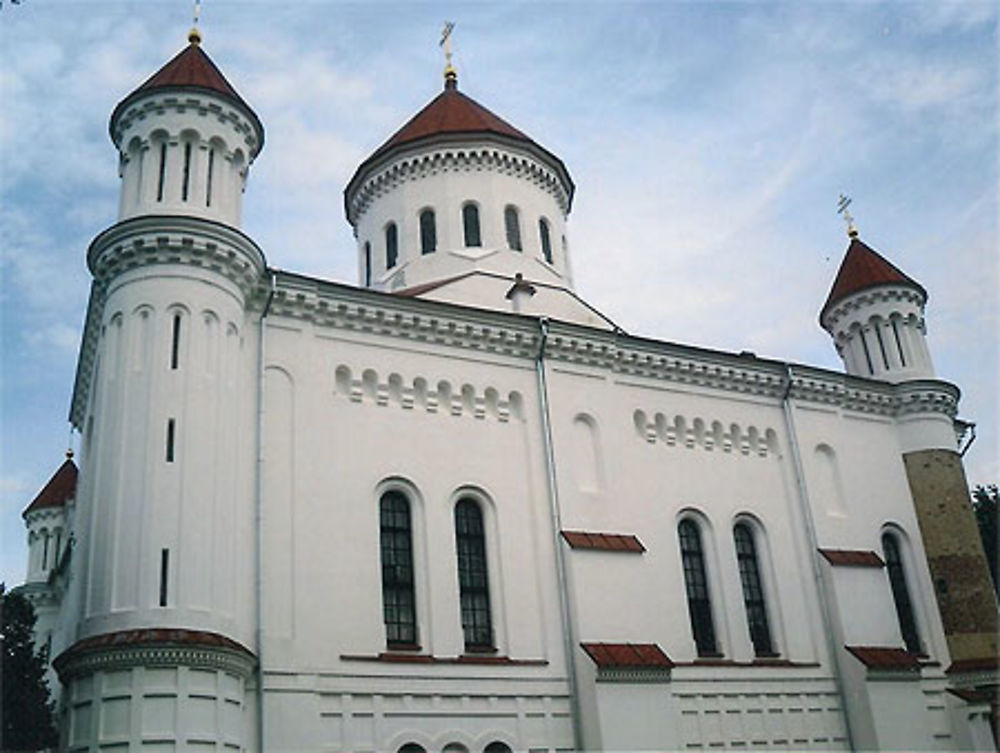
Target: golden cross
x,y
842,204
446,44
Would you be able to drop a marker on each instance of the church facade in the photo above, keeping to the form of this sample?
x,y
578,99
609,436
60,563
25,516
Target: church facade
x,y
456,508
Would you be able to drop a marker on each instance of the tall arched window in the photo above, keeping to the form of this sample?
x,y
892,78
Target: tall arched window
x,y
512,224
900,593
543,235
753,590
470,225
428,232
391,245
696,584
473,582
398,600
368,264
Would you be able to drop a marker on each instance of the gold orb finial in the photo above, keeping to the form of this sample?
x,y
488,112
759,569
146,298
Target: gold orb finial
x,y
194,36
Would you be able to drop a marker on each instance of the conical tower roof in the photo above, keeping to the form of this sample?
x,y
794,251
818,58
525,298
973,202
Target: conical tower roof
x,y
864,268
59,490
452,115
191,68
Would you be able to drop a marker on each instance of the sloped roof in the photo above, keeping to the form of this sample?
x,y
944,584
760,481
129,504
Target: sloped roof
x,y
611,542
634,655
191,68
452,113
58,491
864,268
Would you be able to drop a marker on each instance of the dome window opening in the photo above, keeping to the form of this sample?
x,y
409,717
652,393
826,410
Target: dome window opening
x,y
163,171
208,177
391,245
512,224
470,225
428,232
368,264
545,239
186,181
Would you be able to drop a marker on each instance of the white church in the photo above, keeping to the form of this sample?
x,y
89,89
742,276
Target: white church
x,y
455,508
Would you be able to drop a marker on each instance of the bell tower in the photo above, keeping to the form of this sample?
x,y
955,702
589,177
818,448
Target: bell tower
x,y
162,397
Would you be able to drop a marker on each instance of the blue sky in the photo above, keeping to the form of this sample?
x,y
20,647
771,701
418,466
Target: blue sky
x,y
708,141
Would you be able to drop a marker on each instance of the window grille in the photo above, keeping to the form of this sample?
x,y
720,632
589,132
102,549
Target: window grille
x,y
900,593
473,580
470,225
696,584
753,590
428,232
398,601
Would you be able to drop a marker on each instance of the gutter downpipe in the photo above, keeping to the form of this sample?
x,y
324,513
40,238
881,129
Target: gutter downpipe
x,y
569,639
807,517
259,512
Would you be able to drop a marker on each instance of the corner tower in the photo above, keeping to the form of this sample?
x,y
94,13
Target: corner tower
x,y
875,315
459,192
163,400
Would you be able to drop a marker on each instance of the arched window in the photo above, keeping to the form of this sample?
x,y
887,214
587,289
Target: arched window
x,y
497,747
696,584
512,224
411,748
428,232
900,593
470,225
391,245
473,582
368,264
753,590
543,234
398,600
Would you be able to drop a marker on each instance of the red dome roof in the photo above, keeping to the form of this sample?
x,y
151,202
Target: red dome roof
x,y
60,489
453,114
191,68
865,268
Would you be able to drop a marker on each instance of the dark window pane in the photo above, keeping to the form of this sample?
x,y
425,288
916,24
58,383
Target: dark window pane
x,y
396,540
391,245
473,581
900,593
753,591
696,583
512,224
428,232
543,234
470,224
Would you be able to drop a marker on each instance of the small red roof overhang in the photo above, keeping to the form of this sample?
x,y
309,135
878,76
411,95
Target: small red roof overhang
x,y
612,542
633,655
864,268
852,557
59,490
884,657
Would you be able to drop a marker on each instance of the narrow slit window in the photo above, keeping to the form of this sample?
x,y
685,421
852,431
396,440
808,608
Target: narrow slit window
x,y
543,234
163,171
208,178
398,597
899,342
368,264
696,585
881,343
470,225
186,182
868,355
391,245
512,224
753,590
428,232
473,579
900,593
164,567
45,551
175,341
170,440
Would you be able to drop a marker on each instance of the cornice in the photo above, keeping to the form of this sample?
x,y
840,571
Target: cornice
x,y
472,156
203,102
103,660
150,240
633,675
887,293
354,309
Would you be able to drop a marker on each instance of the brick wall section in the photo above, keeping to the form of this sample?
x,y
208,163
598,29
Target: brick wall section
x,y
962,583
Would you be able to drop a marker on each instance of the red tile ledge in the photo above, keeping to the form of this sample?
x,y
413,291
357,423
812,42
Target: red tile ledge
x,y
630,655
884,657
392,658
852,557
609,542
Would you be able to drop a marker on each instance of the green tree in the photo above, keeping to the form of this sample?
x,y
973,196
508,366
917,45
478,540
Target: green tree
x,y
28,712
984,502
